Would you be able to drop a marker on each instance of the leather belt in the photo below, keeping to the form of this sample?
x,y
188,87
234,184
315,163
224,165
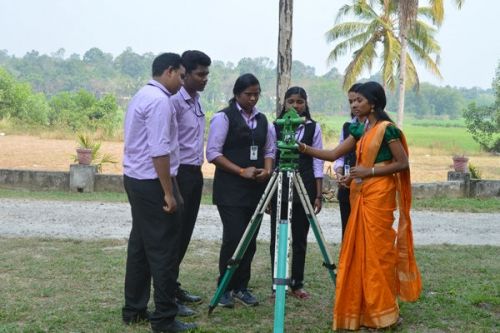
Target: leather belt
x,y
190,167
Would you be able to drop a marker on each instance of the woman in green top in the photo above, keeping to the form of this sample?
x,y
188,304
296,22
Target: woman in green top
x,y
377,264
370,103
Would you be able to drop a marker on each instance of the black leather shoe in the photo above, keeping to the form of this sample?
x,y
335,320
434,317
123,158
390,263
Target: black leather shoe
x,y
176,326
185,297
184,311
136,318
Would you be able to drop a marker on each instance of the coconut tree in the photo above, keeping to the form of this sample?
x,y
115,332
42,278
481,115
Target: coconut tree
x,y
374,37
407,16
437,10
407,10
363,36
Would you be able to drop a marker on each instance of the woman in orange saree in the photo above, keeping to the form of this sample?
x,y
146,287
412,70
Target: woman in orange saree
x,y
377,264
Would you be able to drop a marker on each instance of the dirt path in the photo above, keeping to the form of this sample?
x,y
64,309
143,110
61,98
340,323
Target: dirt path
x,y
34,153
94,220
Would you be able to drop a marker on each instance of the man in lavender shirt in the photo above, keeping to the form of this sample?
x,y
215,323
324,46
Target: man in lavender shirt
x,y
150,163
191,121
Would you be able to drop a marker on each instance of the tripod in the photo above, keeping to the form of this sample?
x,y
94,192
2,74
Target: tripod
x,y
286,171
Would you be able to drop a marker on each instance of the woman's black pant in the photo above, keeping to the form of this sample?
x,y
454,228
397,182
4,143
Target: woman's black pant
x,y
345,206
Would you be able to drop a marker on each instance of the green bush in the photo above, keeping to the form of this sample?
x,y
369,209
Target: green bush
x,y
82,111
474,171
19,103
483,122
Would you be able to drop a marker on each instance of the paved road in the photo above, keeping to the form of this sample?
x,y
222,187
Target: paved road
x,y
94,220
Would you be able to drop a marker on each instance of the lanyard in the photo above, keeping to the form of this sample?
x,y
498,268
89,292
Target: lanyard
x,y
252,129
299,132
198,112
249,124
163,91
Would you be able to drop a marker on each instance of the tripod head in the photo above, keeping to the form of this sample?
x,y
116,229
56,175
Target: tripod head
x,y
288,146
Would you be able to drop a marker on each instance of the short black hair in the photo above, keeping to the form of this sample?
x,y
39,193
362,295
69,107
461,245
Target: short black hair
x,y
191,59
164,61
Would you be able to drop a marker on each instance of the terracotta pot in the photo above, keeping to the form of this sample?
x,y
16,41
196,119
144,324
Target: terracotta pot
x,y
84,155
460,163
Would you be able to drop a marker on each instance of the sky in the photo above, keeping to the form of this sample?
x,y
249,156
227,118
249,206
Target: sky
x,y
229,30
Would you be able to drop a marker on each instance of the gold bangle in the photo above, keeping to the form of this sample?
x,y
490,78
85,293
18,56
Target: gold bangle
x,y
241,171
305,148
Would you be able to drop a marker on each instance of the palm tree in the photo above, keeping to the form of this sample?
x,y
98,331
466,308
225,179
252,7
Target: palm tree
x,y
437,10
407,16
378,29
407,10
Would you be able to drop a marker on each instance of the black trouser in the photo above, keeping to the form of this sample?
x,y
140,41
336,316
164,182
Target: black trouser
x,y
190,181
345,207
234,222
152,252
300,229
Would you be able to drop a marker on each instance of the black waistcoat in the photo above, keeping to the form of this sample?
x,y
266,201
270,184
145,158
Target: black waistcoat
x,y
230,189
305,163
349,159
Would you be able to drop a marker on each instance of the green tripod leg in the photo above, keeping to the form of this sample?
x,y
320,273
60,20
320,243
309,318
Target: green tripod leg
x,y
304,199
253,225
280,281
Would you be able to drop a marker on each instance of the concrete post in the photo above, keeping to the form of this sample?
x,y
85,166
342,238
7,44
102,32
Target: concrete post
x,y
463,177
82,177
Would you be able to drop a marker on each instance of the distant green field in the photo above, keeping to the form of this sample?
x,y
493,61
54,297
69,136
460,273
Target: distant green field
x,y
439,134
454,139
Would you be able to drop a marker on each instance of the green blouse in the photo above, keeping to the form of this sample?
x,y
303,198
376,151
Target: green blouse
x,y
391,133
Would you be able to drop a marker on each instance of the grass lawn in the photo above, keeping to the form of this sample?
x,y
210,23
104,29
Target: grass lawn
x,y
77,286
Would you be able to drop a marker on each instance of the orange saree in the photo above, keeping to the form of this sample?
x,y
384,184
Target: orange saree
x,y
377,264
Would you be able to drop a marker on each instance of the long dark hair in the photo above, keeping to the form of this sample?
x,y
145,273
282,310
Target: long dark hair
x,y
296,91
375,94
242,83
354,87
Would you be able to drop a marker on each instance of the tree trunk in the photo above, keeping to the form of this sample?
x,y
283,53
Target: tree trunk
x,y
407,16
402,80
284,62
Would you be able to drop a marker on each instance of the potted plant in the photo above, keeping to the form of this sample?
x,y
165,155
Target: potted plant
x,y
460,163
84,150
88,152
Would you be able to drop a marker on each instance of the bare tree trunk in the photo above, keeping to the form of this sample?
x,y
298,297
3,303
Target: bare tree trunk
x,y
402,80
284,63
407,16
